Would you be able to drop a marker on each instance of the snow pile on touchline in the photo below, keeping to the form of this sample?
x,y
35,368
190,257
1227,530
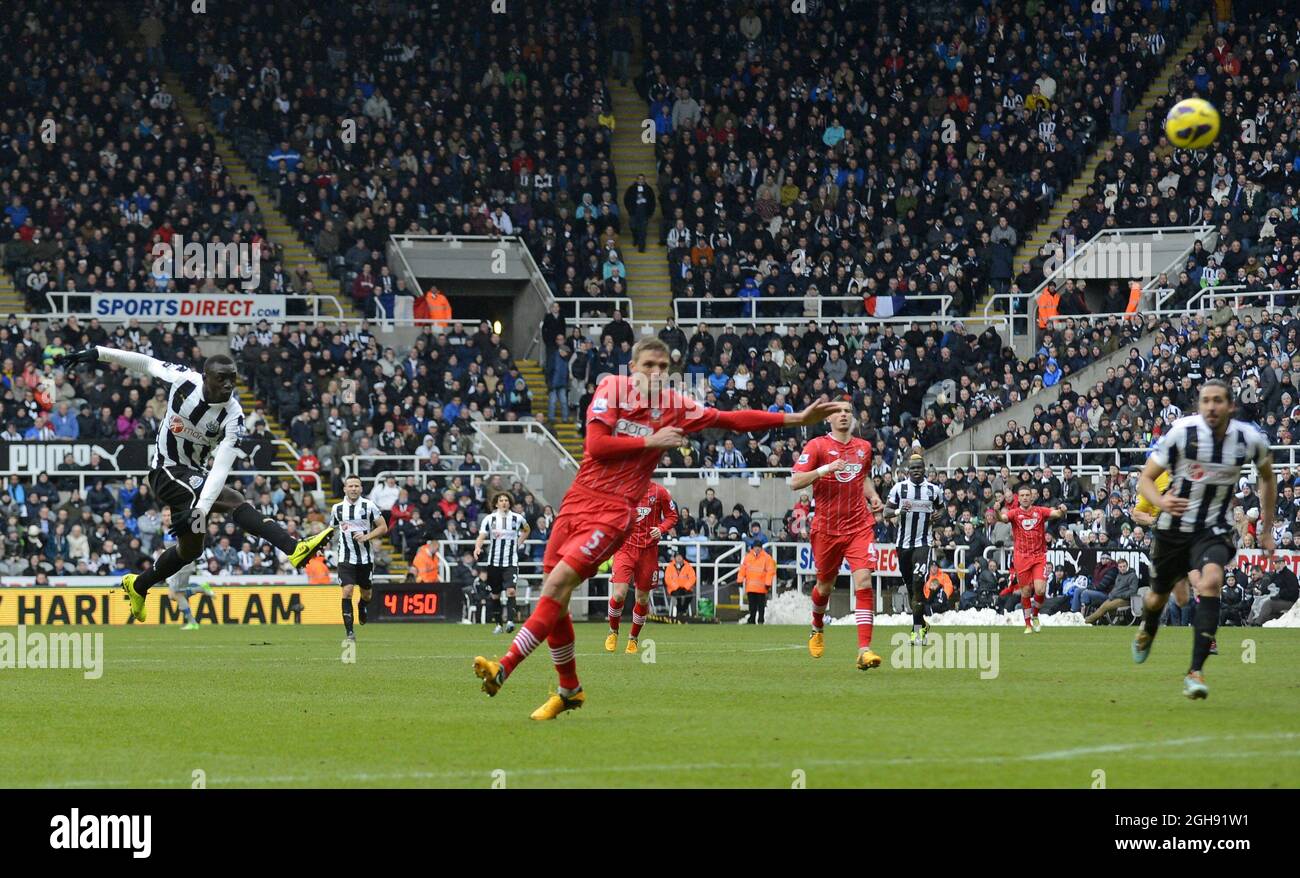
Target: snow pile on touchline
x,y
795,608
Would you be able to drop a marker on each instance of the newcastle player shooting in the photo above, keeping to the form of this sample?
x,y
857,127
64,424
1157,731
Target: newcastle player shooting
x,y
192,458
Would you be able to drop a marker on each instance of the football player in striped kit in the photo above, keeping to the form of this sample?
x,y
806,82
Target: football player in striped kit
x,y
637,562
913,502
1192,538
845,503
192,458
359,523
507,530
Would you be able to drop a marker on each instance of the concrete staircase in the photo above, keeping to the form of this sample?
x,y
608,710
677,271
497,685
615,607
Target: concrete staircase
x,y
1038,238
397,565
648,279
565,431
11,300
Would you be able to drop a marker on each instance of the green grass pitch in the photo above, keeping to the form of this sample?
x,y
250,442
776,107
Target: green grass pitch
x,y
721,705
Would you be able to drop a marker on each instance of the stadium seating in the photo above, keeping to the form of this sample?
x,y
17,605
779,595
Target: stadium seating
x,y
817,154
436,123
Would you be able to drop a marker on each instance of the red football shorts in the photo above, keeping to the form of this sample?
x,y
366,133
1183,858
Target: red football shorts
x,y
831,550
1033,571
640,567
586,534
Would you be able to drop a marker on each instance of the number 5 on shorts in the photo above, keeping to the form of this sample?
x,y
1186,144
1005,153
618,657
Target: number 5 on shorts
x,y
590,548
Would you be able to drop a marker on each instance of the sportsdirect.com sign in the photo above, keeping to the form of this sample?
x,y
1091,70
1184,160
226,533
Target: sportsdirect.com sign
x,y
163,306
229,605
886,561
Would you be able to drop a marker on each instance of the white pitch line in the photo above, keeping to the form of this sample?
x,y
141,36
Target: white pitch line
x,y
1050,755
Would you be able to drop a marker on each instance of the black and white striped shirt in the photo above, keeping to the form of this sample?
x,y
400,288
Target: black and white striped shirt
x,y
1204,470
915,504
502,529
354,520
192,429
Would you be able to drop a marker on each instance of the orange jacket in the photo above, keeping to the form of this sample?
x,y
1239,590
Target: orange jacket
x,y
757,572
675,579
426,564
1134,297
434,307
1049,305
938,580
318,572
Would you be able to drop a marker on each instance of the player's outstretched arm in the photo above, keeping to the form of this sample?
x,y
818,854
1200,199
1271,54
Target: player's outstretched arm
x,y
1058,512
129,360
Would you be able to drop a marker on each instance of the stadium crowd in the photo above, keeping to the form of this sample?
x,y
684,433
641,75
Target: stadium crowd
x,y
876,150
422,121
98,166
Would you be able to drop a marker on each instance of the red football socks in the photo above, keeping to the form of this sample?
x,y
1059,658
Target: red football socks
x,y
534,631
864,612
1026,607
561,644
819,608
638,618
615,614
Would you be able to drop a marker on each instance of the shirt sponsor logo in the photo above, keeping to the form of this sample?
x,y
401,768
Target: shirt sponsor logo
x,y
624,427
849,473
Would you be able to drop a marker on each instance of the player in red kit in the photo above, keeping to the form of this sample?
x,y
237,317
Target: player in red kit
x,y
637,562
838,466
632,418
1029,550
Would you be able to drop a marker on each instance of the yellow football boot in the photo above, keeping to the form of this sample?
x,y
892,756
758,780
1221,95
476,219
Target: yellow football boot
x,y
306,548
611,642
867,660
816,644
136,599
490,673
632,648
557,704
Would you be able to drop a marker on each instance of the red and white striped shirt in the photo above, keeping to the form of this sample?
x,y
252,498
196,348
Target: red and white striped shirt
x,y
839,499
656,509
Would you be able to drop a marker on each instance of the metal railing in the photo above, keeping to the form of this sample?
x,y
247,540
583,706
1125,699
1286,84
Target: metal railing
x,y
534,430
84,476
760,310
1076,457
623,304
